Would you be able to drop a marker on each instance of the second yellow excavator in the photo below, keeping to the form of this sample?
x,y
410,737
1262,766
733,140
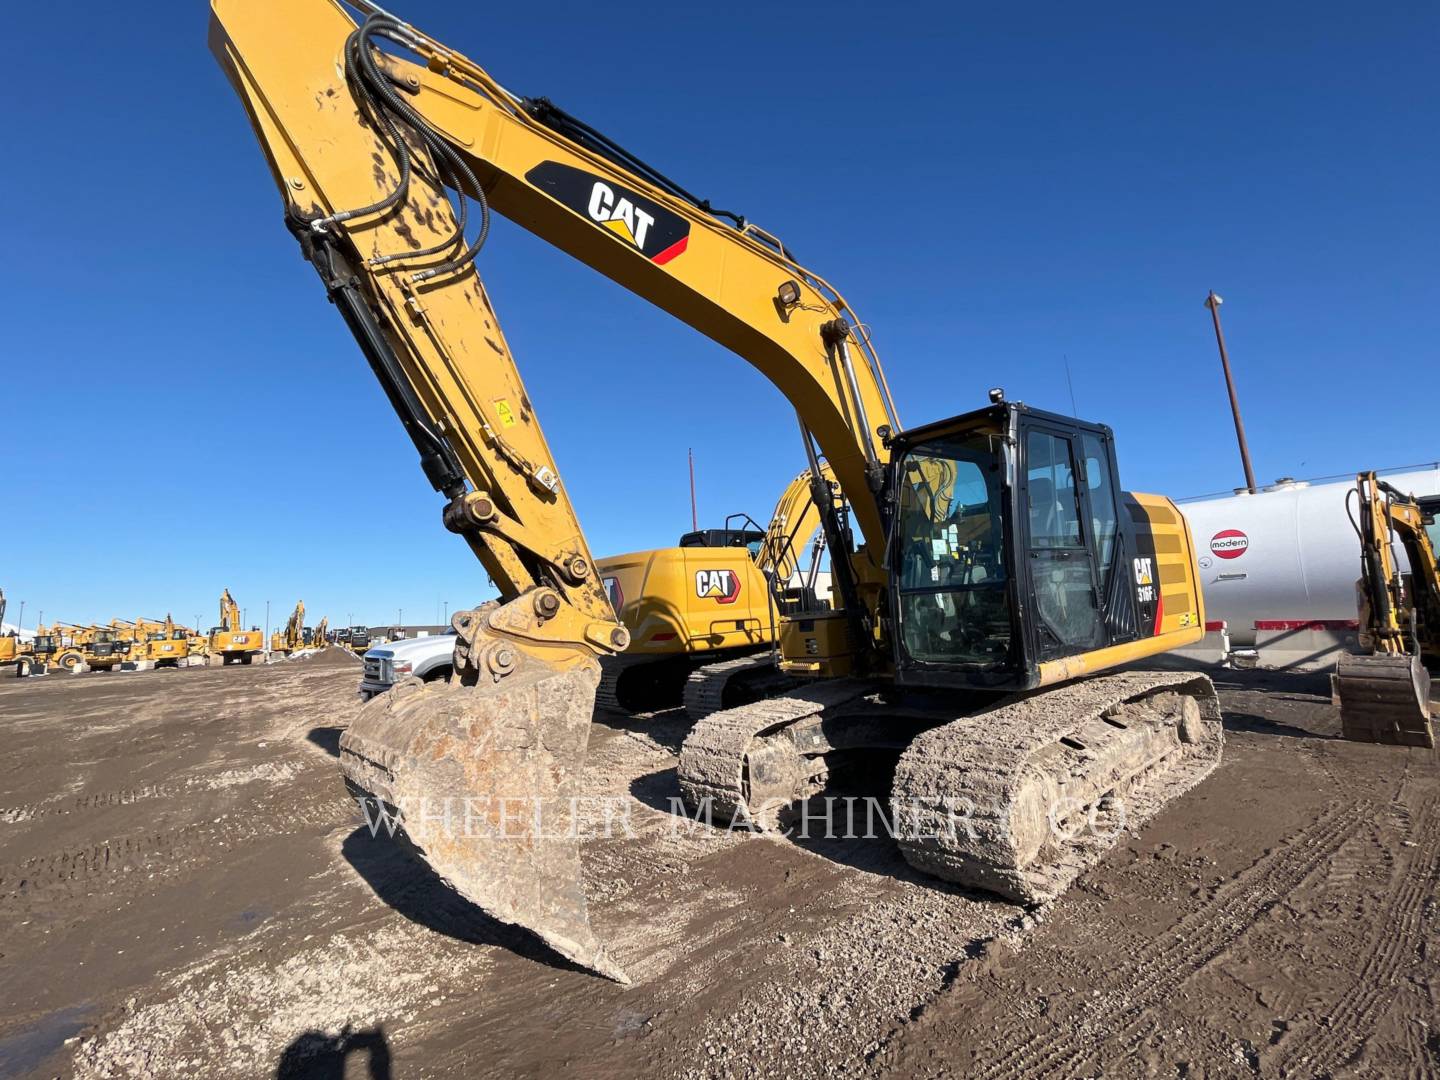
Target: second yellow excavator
x,y
230,642
294,636
703,616
1384,693
164,645
989,573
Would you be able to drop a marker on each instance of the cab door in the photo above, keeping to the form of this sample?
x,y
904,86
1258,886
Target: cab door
x,y
1059,545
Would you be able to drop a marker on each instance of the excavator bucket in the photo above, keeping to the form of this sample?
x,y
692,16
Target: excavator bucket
x,y
483,781
1384,698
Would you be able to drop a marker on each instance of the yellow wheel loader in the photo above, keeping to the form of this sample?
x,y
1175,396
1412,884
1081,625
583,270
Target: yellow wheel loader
x,y
45,648
74,648
13,650
989,573
1384,693
230,642
703,616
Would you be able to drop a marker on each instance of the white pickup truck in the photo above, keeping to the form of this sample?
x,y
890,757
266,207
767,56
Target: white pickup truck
x,y
427,658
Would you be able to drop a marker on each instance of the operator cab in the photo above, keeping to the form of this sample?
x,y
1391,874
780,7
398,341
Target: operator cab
x,y
1430,511
750,539
1006,547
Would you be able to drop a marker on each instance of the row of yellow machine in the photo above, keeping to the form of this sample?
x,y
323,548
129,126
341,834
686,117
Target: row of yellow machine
x,y
144,644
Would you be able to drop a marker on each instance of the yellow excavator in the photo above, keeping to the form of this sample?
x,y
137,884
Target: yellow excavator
x,y
164,644
230,642
703,616
990,575
320,637
293,637
1384,693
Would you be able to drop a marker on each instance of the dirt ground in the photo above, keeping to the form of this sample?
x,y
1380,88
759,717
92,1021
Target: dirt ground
x,y
186,890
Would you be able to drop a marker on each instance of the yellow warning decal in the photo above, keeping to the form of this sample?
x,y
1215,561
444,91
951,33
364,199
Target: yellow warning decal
x,y
506,414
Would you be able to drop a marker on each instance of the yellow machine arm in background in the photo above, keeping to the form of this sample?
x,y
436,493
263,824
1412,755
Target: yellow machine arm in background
x,y
1384,694
795,520
229,613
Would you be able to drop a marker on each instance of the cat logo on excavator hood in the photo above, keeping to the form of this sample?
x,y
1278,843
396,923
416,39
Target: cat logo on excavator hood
x,y
723,586
630,217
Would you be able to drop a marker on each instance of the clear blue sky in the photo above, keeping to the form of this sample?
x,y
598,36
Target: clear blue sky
x,y
994,186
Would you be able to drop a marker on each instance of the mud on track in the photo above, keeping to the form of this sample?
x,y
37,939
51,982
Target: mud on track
x,y
185,889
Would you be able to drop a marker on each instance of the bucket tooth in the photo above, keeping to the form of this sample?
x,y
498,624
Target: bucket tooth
x,y
483,780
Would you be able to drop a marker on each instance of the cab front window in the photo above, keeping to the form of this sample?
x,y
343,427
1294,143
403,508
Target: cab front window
x,y
949,547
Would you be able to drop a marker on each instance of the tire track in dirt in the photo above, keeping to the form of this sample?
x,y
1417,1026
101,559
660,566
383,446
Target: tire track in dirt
x,y
130,863
12,815
1394,945
1159,967
105,800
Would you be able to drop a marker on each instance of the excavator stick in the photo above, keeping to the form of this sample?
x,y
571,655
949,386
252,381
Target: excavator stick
x,y
483,780
1384,698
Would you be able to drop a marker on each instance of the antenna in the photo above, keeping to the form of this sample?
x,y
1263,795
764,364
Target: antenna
x,y
1074,411
694,516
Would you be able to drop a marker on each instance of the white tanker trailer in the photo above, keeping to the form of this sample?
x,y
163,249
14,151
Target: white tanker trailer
x,y
1285,556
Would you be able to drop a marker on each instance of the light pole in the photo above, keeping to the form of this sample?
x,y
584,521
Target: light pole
x,y
265,644
1213,302
446,620
399,618
20,626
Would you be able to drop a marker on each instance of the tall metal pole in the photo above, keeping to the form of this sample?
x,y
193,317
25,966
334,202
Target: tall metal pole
x,y
267,624
20,625
694,517
1213,302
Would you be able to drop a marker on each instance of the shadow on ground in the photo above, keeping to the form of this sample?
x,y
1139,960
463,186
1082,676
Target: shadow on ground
x,y
851,826
315,1055
405,882
668,729
327,738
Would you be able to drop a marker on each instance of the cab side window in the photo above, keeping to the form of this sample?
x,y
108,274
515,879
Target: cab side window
x,y
1054,522
1103,513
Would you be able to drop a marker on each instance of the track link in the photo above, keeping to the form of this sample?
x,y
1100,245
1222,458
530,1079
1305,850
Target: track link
x,y
1022,799
631,684
715,687
714,760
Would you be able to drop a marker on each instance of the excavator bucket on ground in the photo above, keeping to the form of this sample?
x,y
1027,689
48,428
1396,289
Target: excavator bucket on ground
x,y
1384,698
483,780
